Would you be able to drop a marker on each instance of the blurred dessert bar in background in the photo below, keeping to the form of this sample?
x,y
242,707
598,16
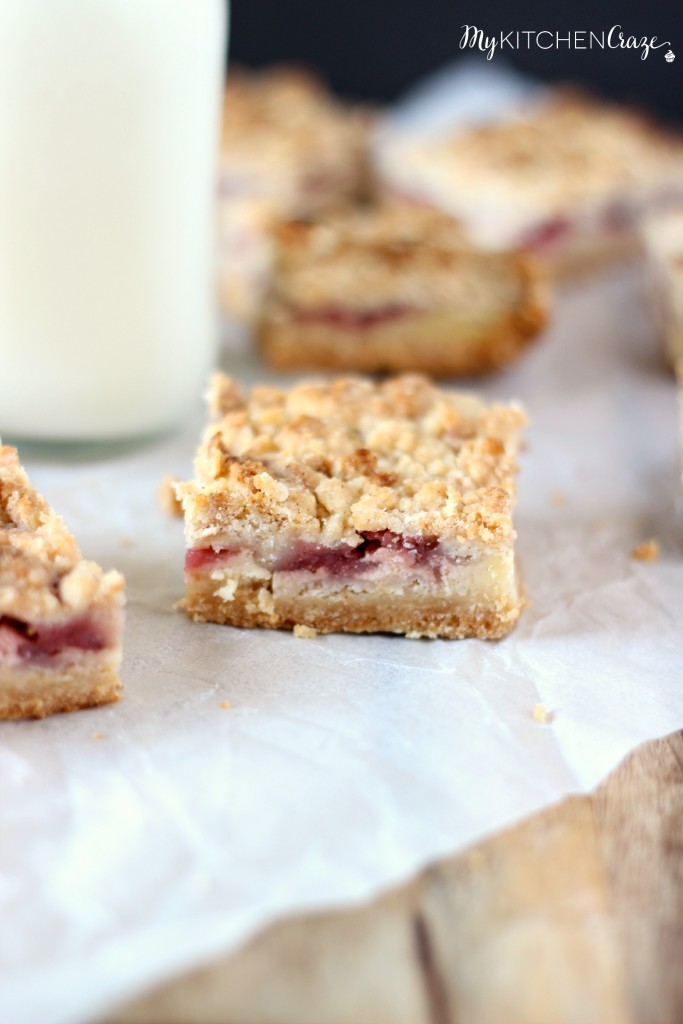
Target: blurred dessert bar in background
x,y
356,507
396,287
61,618
662,237
288,149
286,139
569,177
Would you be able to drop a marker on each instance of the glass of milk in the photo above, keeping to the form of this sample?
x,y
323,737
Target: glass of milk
x,y
109,120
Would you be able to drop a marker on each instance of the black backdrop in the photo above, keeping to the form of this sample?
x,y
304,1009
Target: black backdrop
x,y
374,49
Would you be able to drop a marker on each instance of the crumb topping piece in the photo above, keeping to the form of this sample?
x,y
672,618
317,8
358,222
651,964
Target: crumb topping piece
x,y
42,575
542,715
304,632
328,461
647,551
168,500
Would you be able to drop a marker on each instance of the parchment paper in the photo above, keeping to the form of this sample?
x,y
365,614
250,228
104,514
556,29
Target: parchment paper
x,y
142,838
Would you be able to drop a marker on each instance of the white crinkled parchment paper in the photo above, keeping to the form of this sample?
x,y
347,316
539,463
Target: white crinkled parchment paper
x,y
138,839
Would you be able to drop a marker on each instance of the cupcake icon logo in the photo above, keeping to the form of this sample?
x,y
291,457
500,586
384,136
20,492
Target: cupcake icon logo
x,y
669,56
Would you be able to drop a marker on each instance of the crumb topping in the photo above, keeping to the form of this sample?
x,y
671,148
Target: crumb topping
x,y
42,575
542,715
327,461
304,632
566,151
367,258
284,123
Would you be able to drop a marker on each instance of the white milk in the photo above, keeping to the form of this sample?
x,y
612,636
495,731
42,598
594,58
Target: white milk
x,y
109,113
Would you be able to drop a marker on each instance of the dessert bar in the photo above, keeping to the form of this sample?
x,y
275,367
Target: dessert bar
x,y
570,177
663,245
289,149
354,506
61,617
287,139
396,288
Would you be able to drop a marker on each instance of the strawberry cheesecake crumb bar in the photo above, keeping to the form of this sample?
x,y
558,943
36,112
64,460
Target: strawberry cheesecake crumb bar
x,y
61,617
288,149
351,506
663,247
396,288
286,139
569,177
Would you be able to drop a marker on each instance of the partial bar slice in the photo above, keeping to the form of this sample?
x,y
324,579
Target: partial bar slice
x,y
396,288
288,149
570,177
663,244
287,139
61,617
356,507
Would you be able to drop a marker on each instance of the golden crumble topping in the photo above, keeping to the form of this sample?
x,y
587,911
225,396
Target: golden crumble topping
x,y
393,253
568,150
283,122
284,95
542,714
304,632
326,461
42,575
168,501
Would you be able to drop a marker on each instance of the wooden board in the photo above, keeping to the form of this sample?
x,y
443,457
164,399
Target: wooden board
x,y
574,916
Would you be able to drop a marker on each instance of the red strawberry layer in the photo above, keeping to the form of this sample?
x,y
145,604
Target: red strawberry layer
x,y
24,642
348,319
340,560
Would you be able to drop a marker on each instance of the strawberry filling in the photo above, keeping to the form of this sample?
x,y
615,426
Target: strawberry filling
x,y
204,559
345,559
340,560
547,235
318,182
19,640
353,319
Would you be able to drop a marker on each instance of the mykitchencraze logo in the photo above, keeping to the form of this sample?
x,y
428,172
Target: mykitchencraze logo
x,y
579,39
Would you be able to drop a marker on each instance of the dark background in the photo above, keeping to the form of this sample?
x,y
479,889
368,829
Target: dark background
x,y
375,49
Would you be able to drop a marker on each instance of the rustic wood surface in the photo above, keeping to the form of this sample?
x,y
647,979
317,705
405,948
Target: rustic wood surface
x,y
575,915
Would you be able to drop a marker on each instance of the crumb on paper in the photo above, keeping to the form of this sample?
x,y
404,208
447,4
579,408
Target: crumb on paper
x,y
558,499
225,705
97,736
647,551
168,498
127,542
542,714
305,632
599,525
